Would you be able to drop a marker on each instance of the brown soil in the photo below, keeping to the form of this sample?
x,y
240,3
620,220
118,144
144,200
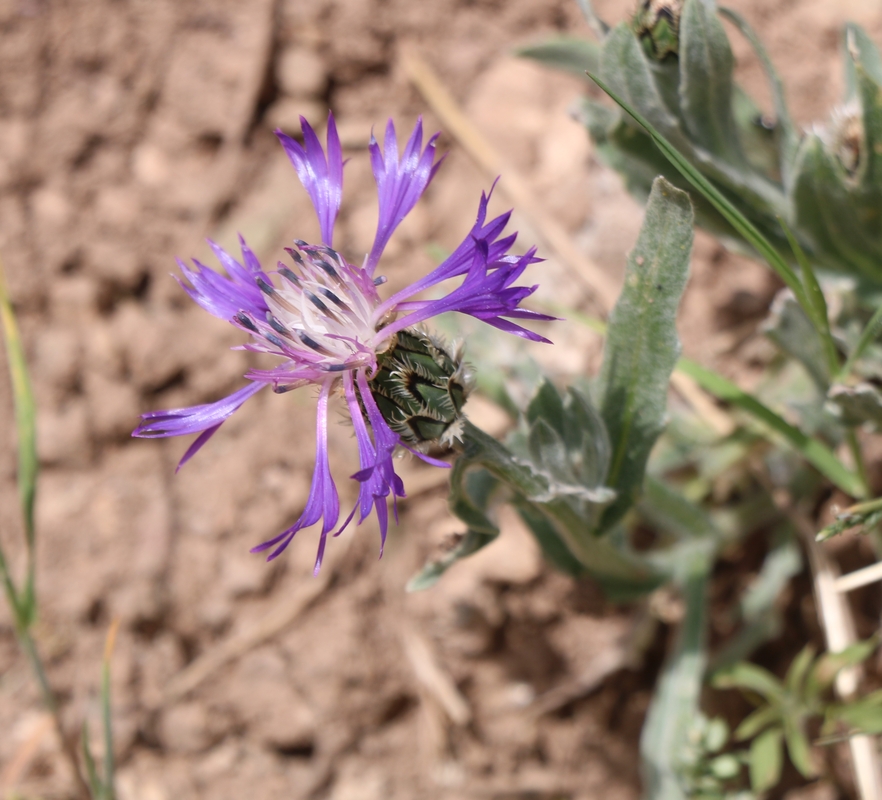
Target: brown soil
x,y
128,132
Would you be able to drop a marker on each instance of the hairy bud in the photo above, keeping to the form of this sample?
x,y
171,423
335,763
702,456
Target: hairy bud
x,y
657,25
421,388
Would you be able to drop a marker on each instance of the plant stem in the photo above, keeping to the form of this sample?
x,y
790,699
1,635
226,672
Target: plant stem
x,y
29,646
858,458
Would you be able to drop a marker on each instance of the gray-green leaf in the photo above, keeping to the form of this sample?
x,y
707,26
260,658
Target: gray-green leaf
x,y
642,345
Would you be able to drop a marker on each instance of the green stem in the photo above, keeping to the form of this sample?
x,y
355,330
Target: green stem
x,y
26,640
867,336
858,458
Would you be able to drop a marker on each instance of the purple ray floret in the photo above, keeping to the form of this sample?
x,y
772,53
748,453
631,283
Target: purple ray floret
x,y
324,320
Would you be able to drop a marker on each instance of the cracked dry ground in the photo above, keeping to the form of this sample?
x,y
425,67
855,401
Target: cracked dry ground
x,y
128,132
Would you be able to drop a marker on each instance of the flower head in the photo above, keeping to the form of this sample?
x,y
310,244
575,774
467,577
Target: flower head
x,y
324,318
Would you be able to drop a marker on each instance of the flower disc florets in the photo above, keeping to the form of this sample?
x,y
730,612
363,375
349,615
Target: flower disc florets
x,y
326,321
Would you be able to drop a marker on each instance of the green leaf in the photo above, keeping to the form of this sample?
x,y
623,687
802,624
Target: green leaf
x,y
766,760
798,747
863,717
756,721
745,228
586,435
566,53
96,788
625,67
675,703
706,64
670,511
870,94
857,404
795,678
470,495
762,619
547,404
23,603
817,303
789,328
829,665
642,346
858,48
549,540
750,677
618,570
814,451
789,136
841,224
867,337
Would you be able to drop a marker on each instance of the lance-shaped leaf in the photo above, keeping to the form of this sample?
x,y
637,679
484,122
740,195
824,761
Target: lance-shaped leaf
x,y
622,573
858,48
788,136
843,224
858,404
675,703
766,760
789,327
869,96
470,495
625,66
642,345
706,86
566,53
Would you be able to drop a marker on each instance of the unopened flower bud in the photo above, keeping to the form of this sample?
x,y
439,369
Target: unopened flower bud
x,y
657,25
420,388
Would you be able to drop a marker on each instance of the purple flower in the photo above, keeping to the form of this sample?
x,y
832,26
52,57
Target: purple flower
x,y
325,320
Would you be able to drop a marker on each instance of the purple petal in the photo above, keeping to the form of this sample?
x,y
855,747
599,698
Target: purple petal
x,y
377,474
400,183
204,419
323,502
486,294
460,260
222,296
321,177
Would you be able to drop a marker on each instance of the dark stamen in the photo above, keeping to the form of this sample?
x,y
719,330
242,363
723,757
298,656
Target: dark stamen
x,y
380,280
246,322
265,287
289,275
272,338
317,303
327,268
310,342
278,326
294,254
333,298
336,368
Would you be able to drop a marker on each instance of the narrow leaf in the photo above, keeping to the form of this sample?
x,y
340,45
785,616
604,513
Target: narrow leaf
x,y
789,136
670,511
814,451
23,602
752,678
642,346
790,329
675,703
566,53
859,49
798,747
766,760
706,64
756,721
742,225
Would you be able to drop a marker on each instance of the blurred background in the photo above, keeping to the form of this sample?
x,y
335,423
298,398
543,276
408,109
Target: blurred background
x,y
129,131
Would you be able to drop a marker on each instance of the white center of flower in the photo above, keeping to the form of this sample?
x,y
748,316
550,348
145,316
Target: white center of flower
x,y
323,309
